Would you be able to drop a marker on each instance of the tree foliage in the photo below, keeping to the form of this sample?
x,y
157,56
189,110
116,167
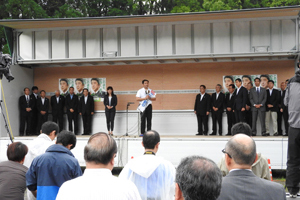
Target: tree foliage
x,y
33,9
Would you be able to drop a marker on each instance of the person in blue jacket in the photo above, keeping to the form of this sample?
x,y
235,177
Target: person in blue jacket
x,y
51,169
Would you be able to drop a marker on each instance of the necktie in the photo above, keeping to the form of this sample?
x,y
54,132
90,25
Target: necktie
x,y
257,90
71,97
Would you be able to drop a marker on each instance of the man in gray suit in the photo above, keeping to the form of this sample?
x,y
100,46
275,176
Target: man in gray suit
x,y
258,98
241,183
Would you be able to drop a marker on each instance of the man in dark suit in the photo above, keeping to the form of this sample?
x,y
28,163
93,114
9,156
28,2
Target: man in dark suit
x,y
283,111
240,101
248,112
217,106
241,183
86,110
43,108
258,98
72,110
57,104
35,112
201,109
26,105
273,100
229,101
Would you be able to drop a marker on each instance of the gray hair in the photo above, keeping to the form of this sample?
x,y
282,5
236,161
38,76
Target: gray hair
x,y
100,149
199,178
241,151
220,86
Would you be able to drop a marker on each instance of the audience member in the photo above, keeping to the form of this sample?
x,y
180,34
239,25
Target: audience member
x,y
153,176
39,145
260,167
12,173
241,183
97,181
291,100
50,170
197,178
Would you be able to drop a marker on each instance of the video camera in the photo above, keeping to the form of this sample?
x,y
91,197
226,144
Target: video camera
x,y
5,62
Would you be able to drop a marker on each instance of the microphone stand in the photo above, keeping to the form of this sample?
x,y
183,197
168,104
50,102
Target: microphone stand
x,y
128,104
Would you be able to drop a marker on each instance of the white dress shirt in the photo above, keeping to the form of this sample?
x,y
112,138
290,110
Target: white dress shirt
x,y
202,95
271,90
43,100
142,93
98,184
57,99
237,91
217,95
85,99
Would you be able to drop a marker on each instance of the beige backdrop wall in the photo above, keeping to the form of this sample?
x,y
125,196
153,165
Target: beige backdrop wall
x,y
162,77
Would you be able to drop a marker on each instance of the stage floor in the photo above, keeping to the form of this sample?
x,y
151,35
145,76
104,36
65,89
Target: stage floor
x,y
174,148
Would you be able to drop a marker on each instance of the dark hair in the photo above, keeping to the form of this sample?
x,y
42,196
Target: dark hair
x,y
79,79
42,91
112,90
95,79
100,149
203,86
230,77
247,76
26,88
238,79
241,153
150,139
144,81
219,86
257,79
232,85
71,87
199,178
287,80
65,80
271,81
85,89
34,88
16,151
48,127
250,83
265,75
65,138
241,127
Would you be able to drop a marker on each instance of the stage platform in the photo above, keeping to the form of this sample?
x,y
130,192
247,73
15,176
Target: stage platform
x,y
174,148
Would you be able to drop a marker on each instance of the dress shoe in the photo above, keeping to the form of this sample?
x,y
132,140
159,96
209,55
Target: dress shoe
x,y
253,134
199,134
228,134
266,134
277,134
212,133
286,135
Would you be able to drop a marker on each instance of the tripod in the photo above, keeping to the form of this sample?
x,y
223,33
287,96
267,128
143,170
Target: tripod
x,y
6,125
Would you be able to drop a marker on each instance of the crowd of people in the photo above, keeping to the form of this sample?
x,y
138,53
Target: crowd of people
x,y
244,103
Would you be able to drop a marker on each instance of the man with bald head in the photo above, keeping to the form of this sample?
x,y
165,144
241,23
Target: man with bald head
x,y
241,183
97,181
57,105
153,176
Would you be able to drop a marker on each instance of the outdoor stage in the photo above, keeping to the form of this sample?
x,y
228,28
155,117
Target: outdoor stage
x,y
174,148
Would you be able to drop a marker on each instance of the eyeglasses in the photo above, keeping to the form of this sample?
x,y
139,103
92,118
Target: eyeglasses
x,y
226,153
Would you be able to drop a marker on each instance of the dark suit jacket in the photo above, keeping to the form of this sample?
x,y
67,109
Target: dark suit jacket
x,y
114,102
218,103
35,99
40,105
240,99
57,108
227,102
201,107
87,108
274,99
282,100
258,99
23,105
243,184
72,103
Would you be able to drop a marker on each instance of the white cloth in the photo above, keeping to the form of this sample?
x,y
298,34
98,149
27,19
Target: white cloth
x,y
237,91
98,184
109,99
153,176
57,99
142,93
37,147
43,100
202,95
85,99
230,96
271,90
217,95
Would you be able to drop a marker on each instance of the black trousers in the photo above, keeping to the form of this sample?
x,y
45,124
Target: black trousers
x,y
202,120
87,123
217,117
293,161
25,119
110,119
42,119
35,122
239,116
248,117
279,121
73,117
286,120
59,118
146,115
230,120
